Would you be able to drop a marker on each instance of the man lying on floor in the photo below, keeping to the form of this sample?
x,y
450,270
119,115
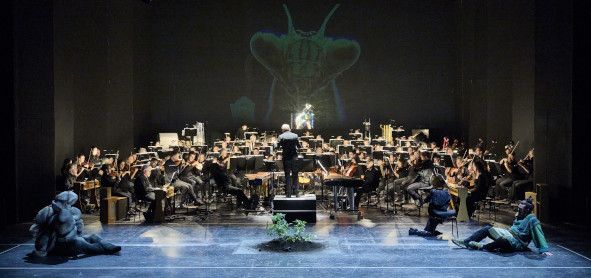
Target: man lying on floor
x,y
438,200
58,231
526,228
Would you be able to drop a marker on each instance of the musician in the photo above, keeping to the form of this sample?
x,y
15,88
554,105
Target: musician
x,y
479,152
172,169
289,144
526,169
511,173
156,178
83,167
425,172
437,167
438,199
187,174
433,147
110,179
220,175
71,177
240,133
225,157
525,229
351,169
371,179
95,156
126,175
483,181
145,191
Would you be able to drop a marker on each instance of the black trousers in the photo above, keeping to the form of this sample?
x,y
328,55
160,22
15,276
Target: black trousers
x,y
242,200
290,169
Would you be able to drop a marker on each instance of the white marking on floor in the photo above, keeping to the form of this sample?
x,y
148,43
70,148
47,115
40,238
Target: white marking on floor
x,y
581,255
9,249
292,267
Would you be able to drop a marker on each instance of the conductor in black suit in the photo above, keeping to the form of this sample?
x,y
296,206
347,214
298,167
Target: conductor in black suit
x,y
289,144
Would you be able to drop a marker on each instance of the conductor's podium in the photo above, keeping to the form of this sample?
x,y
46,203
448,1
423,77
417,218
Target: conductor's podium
x,y
302,208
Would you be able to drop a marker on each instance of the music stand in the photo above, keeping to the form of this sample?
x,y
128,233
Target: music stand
x,y
200,148
380,142
403,155
315,143
327,160
306,165
212,154
254,163
446,160
342,149
357,143
244,150
378,155
306,138
335,142
367,149
238,163
494,167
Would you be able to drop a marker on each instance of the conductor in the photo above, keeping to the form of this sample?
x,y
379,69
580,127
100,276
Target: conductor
x,y
289,144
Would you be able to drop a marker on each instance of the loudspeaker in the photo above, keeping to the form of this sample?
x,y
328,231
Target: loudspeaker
x,y
302,208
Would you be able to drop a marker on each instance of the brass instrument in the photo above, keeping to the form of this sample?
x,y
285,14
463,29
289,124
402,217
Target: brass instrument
x,y
387,133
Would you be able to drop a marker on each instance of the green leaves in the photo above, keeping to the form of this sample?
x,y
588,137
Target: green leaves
x,y
283,230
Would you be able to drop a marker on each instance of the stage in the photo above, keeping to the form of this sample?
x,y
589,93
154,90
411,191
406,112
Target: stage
x,y
378,247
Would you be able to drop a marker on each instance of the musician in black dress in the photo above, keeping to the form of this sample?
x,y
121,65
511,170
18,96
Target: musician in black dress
x,y
289,144
481,185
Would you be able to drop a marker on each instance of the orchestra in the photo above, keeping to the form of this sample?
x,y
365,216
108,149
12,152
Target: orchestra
x,y
398,170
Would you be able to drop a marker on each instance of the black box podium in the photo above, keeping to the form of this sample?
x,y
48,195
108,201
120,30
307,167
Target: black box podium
x,y
302,208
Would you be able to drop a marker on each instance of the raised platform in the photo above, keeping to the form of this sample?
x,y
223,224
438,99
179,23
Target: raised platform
x,y
302,208
377,246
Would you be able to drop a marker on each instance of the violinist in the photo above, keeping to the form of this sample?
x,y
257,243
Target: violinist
x,y
222,180
401,180
125,177
525,182
458,172
188,174
156,176
371,179
172,169
479,153
483,180
110,179
511,174
83,168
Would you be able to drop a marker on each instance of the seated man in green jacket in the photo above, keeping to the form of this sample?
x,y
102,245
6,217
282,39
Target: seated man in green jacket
x,y
526,228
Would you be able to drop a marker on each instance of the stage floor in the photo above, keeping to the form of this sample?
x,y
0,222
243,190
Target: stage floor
x,y
215,248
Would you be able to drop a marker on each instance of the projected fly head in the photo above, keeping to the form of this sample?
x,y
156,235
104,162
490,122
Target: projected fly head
x,y
304,63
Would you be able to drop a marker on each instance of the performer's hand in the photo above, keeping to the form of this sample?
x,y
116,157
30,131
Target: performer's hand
x,y
547,254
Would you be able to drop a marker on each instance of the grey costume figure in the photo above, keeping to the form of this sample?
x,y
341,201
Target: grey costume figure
x,y
58,231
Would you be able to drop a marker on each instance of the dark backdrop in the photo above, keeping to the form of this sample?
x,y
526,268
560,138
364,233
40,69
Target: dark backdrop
x,y
193,60
114,73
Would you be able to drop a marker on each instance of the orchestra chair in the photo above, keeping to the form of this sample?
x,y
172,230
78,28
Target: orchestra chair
x,y
486,205
140,206
423,192
452,219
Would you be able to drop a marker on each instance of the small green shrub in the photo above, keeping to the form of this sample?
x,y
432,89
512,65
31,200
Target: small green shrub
x,y
283,230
